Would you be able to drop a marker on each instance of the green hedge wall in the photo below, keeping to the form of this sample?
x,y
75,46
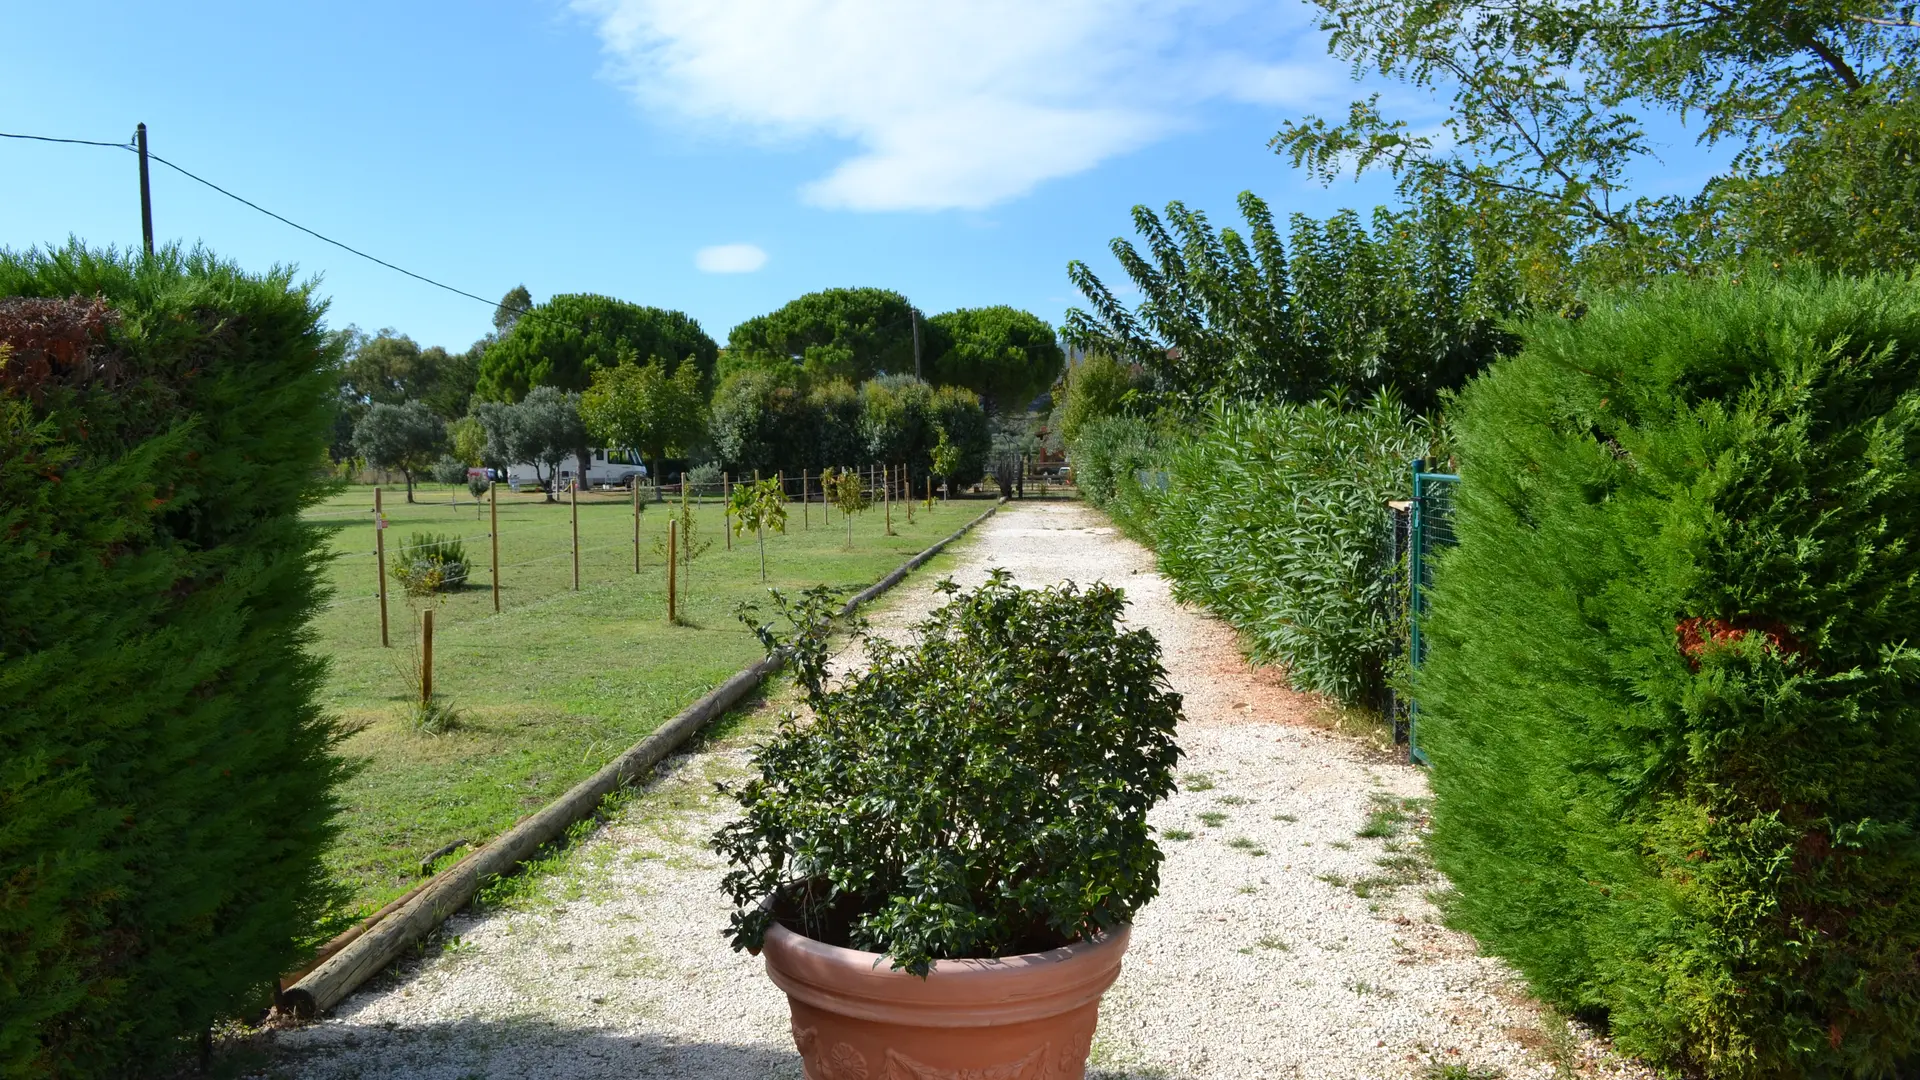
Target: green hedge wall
x,y
1275,517
165,774
1671,704
1107,455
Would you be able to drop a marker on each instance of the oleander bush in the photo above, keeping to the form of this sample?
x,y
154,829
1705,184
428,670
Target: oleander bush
x,y
165,773
1108,458
1275,517
980,792
1672,700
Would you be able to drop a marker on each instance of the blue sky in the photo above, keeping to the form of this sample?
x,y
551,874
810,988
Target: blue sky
x,y
960,153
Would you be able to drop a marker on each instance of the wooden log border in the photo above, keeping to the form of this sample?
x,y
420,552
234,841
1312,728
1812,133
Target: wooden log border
x,y
364,951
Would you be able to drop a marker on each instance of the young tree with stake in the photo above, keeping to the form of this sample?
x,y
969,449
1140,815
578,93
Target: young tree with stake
x,y
759,506
842,489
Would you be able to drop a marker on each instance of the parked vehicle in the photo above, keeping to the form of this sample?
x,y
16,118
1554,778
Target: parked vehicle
x,y
607,469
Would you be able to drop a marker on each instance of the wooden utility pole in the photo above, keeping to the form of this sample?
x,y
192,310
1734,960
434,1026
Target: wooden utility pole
x,y
380,563
146,193
493,534
636,526
673,564
574,489
426,657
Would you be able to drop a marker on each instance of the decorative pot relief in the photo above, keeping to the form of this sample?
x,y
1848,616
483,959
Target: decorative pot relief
x,y
1034,1066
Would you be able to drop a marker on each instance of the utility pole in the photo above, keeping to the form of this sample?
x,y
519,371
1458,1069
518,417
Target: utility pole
x,y
146,197
912,312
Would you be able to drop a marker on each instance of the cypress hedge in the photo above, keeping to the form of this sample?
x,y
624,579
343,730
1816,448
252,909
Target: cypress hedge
x,y
1671,702
165,773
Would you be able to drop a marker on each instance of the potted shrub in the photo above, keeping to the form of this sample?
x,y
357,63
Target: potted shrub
x,y
941,862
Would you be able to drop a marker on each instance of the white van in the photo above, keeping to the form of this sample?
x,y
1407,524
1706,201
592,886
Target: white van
x,y
609,468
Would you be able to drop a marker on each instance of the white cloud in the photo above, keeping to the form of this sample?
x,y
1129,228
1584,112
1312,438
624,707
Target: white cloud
x,y
952,104
730,259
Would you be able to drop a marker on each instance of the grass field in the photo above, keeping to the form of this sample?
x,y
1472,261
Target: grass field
x,y
559,681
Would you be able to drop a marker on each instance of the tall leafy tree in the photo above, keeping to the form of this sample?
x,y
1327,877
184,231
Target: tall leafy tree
x,y
851,334
517,302
1005,355
540,429
407,437
760,419
641,407
562,342
389,367
1550,98
1414,303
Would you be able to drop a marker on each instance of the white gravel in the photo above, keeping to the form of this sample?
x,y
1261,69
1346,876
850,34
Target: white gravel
x,y
1279,946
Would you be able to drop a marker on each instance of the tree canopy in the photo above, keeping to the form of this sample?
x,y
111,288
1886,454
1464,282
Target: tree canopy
x,y
561,343
541,430
641,407
390,367
850,334
407,437
1414,303
1549,105
1005,355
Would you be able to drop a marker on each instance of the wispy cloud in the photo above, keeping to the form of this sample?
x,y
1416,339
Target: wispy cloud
x,y
730,259
960,105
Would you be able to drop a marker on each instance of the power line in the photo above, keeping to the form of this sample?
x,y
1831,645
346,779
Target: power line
x,y
496,305
76,142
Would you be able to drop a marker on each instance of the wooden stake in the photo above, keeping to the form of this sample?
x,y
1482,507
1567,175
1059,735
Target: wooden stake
x,y
636,526
574,488
726,509
493,531
886,486
806,500
673,564
380,563
426,657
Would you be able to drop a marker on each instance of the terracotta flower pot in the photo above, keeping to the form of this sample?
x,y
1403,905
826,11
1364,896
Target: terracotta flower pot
x,y
1028,1017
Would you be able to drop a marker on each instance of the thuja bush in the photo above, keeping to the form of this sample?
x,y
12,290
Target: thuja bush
x,y
1275,517
1671,704
165,775
981,792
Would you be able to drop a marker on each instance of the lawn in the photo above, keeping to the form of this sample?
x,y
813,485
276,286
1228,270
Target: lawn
x,y
557,682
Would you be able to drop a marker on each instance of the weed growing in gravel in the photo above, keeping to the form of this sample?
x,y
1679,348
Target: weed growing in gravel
x,y
1212,819
1334,880
1176,834
1437,1071
1247,890
1390,816
1196,782
1242,843
1271,941
1288,818
1340,845
1233,800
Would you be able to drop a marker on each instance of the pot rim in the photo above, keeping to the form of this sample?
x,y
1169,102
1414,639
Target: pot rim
x,y
955,993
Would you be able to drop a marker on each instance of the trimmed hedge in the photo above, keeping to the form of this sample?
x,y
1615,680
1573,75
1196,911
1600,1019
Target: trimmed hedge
x,y
1671,704
1275,517
165,773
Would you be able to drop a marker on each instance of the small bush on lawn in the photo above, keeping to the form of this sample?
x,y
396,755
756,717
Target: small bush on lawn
x,y
1275,517
165,780
427,563
982,792
1671,701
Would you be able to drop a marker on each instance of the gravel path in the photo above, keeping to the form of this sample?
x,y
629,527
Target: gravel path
x,y
1292,937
